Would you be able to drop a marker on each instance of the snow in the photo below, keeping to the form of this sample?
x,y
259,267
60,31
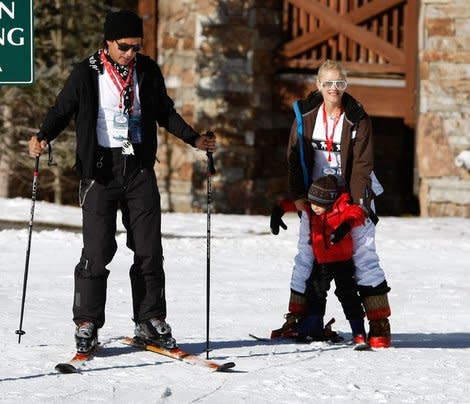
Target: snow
x,y
427,262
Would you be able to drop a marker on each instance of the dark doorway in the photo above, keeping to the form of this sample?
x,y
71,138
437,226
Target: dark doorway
x,y
394,144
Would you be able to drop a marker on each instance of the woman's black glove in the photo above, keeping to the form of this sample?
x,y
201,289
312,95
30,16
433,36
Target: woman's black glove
x,y
276,220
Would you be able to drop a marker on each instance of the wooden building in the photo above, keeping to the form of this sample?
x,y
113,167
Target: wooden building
x,y
235,66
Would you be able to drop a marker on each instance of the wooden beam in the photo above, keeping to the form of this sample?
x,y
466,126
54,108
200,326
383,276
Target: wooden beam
x,y
358,34
351,67
380,101
357,16
148,11
388,102
411,52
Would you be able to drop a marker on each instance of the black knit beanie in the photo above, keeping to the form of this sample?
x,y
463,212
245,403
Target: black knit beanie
x,y
324,191
123,24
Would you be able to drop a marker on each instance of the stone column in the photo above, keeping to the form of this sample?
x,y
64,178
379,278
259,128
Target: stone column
x,y
444,108
217,57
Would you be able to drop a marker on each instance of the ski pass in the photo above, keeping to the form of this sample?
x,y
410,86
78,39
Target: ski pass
x,y
120,126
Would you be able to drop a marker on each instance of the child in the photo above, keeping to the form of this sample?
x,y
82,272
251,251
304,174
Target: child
x,y
331,219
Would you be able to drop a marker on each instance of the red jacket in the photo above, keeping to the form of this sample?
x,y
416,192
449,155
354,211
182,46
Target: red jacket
x,y
322,226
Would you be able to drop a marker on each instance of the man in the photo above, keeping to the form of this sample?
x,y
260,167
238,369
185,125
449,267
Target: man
x,y
118,97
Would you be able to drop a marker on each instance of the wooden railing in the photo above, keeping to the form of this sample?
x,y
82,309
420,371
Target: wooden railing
x,y
367,36
373,39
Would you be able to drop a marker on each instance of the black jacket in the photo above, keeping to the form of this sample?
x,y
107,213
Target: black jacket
x,y
79,98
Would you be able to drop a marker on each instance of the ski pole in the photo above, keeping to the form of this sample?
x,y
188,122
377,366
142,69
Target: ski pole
x,y
210,173
20,331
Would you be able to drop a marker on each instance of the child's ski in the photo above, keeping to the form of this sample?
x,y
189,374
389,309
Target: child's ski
x,y
363,346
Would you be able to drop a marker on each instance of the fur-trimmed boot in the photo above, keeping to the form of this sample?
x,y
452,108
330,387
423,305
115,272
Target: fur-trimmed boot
x,y
378,310
297,302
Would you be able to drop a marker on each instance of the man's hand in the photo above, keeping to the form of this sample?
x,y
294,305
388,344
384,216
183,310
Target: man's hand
x,y
36,147
206,143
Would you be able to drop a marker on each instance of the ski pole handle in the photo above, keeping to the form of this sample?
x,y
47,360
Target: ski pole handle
x,y
36,172
210,162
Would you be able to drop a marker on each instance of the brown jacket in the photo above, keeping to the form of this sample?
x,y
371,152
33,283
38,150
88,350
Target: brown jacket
x,y
356,154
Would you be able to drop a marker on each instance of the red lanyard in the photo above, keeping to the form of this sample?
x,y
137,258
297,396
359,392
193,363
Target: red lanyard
x,y
117,79
329,139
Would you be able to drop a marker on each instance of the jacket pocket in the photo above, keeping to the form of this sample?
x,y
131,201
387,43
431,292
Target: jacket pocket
x,y
85,185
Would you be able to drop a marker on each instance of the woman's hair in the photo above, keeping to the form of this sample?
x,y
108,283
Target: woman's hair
x,y
332,65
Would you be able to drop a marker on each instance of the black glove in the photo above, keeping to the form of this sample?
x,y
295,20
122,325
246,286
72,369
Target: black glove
x,y
276,220
369,213
338,234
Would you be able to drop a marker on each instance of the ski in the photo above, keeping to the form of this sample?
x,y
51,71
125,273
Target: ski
x,y
178,354
262,339
275,340
77,362
363,346
337,340
280,334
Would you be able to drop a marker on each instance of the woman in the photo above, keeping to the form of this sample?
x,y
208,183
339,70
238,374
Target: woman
x,y
332,134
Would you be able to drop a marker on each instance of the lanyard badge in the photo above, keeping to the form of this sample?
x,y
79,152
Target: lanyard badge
x,y
329,139
120,125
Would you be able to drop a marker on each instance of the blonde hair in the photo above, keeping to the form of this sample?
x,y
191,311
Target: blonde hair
x,y
332,65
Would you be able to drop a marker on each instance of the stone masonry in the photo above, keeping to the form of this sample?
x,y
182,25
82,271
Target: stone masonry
x,y
216,56
443,129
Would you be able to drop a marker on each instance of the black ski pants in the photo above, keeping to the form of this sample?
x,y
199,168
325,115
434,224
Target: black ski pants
x,y
346,290
122,183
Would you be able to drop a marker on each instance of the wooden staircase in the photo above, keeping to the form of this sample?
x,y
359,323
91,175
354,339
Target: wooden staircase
x,y
375,40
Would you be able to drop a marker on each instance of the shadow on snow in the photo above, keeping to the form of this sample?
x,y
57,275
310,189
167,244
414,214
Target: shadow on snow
x,y
457,340
400,341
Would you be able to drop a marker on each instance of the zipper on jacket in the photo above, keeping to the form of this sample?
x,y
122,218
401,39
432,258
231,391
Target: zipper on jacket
x,y
325,241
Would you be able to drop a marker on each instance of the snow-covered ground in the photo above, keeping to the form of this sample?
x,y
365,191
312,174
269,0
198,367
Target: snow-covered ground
x,y
427,262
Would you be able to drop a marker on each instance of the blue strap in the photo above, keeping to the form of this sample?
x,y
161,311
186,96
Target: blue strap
x,y
300,135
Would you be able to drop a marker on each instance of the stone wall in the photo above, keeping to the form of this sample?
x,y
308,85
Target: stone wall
x,y
216,56
443,129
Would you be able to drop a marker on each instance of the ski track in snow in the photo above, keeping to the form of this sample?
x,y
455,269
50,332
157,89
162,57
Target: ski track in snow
x,y
426,262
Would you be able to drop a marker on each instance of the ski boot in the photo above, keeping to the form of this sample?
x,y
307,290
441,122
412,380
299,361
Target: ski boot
x,y
358,331
86,337
379,334
156,332
288,329
378,310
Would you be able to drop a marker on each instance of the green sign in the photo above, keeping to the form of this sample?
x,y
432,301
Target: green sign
x,y
16,42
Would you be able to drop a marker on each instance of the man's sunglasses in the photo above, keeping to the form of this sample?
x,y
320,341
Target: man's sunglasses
x,y
339,84
124,47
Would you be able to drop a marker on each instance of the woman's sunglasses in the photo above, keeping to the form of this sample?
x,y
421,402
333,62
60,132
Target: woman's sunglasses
x,y
339,84
124,47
